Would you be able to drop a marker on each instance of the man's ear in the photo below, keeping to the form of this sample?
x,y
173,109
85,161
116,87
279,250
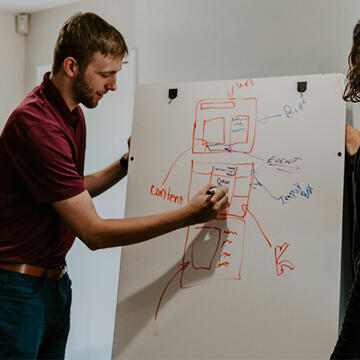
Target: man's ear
x,y
71,67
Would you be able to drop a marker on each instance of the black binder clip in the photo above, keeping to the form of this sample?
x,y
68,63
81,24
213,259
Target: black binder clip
x,y
301,87
172,94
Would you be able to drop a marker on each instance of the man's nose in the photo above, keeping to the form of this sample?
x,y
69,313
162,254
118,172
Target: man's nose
x,y
111,85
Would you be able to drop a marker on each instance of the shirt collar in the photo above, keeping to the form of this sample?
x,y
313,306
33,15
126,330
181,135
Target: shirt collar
x,y
54,96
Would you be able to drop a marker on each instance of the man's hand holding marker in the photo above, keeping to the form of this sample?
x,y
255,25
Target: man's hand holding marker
x,y
213,190
208,203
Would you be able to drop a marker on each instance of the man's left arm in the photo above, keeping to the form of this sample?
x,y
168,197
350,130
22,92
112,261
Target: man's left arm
x,y
102,180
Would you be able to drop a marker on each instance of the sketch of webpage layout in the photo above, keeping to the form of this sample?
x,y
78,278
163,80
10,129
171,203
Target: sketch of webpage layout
x,y
216,250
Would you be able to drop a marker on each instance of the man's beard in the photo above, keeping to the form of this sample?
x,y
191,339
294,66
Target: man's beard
x,y
83,94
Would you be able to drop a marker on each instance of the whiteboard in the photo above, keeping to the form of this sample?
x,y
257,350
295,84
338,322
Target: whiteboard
x,y
263,281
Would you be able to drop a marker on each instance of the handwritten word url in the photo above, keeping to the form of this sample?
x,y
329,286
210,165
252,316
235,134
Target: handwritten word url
x,y
239,85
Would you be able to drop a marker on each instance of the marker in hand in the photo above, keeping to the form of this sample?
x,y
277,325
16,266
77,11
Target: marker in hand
x,y
212,191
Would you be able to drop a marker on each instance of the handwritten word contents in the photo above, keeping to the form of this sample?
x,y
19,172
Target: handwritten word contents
x,y
166,194
292,110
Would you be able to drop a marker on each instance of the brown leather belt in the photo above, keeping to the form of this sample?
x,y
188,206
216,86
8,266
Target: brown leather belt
x,y
55,273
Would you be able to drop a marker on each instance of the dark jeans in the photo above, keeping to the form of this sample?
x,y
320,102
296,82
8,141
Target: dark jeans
x,y
348,344
34,316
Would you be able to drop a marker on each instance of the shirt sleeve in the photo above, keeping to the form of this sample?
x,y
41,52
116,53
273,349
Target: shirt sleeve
x,y
44,158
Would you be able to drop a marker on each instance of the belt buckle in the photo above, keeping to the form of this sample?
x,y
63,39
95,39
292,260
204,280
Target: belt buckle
x,y
60,272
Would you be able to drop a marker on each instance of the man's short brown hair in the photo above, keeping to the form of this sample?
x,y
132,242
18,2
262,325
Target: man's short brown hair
x,y
82,35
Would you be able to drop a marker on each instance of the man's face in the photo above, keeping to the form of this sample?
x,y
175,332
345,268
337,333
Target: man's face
x,y
98,78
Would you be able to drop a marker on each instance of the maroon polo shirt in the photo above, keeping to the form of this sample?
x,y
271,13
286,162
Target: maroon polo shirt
x,y
42,150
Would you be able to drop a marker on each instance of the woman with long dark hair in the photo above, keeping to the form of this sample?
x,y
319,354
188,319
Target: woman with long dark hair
x,y
348,344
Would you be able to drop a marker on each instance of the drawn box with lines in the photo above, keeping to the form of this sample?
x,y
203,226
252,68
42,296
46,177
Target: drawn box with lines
x,y
224,125
237,177
213,252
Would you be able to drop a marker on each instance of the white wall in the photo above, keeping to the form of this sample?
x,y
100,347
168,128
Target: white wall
x,y
12,66
194,40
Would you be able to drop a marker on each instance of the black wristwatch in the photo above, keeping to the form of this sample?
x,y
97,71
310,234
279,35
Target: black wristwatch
x,y
124,162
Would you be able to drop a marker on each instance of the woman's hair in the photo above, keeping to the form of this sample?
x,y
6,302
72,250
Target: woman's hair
x,y
82,35
352,89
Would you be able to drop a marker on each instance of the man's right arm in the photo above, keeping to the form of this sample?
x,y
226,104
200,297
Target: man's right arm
x,y
80,215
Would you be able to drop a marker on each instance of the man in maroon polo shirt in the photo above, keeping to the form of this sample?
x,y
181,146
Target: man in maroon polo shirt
x,y
45,199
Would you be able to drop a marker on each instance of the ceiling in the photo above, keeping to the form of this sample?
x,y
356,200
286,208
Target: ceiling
x,y
30,6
